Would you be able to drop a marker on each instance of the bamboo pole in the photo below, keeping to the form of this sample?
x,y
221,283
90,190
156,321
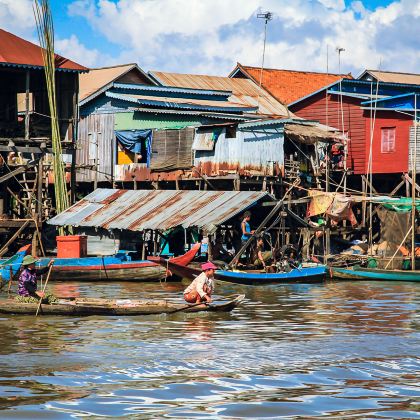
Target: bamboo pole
x,y
43,291
413,191
45,28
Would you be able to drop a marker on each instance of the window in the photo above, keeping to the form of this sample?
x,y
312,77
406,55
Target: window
x,y
388,140
231,132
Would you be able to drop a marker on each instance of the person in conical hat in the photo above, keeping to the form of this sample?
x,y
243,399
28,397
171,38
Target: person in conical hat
x,y
27,284
202,287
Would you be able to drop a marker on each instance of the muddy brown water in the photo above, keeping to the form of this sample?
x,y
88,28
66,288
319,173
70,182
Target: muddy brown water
x,y
342,350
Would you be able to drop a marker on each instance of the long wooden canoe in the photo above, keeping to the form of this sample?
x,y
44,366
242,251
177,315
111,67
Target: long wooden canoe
x,y
359,273
112,307
119,267
310,274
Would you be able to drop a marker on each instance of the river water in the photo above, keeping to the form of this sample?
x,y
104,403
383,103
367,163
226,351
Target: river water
x,y
341,350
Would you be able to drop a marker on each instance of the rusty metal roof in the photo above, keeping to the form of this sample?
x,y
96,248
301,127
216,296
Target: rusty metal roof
x,y
244,91
138,210
17,52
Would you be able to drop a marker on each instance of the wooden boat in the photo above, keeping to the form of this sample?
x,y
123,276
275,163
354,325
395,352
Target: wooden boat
x,y
107,268
314,273
112,307
359,273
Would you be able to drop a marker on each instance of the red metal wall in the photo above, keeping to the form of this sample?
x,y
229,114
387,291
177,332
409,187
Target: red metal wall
x,y
385,163
326,110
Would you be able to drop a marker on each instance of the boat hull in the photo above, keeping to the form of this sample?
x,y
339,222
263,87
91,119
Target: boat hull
x,y
104,269
126,307
374,274
298,275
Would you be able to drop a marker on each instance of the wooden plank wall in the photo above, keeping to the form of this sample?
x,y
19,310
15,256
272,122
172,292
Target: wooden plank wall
x,y
326,110
171,149
101,128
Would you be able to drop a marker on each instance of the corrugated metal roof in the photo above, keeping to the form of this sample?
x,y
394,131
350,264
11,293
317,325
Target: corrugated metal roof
x,y
244,91
288,85
17,52
138,210
181,103
224,116
98,80
206,92
394,77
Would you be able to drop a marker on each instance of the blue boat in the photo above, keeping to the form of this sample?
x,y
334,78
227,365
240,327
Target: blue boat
x,y
359,273
10,267
313,273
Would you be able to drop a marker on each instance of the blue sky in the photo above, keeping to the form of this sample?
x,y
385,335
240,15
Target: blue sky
x,y
210,36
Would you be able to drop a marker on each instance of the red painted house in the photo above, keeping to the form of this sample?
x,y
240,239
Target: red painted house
x,y
350,106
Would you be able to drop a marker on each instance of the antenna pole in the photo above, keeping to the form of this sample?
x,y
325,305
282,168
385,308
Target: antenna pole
x,y
267,16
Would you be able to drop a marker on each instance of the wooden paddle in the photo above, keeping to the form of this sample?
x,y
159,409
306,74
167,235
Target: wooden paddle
x,y
188,307
43,291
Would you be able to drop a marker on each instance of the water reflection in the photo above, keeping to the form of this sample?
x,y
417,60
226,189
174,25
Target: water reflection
x,y
338,349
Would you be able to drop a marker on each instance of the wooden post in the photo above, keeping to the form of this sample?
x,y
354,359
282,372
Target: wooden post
x,y
210,248
155,242
143,251
39,189
75,135
27,88
413,190
364,190
95,179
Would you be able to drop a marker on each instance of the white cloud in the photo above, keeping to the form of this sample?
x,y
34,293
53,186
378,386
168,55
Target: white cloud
x,y
73,49
209,36
16,16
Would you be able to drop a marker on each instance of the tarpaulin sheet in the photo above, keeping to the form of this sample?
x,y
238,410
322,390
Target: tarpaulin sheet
x,y
401,205
205,140
136,141
336,206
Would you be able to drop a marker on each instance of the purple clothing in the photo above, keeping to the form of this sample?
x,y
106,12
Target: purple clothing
x,y
27,281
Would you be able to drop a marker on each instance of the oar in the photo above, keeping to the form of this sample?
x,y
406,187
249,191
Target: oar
x,y
43,291
188,307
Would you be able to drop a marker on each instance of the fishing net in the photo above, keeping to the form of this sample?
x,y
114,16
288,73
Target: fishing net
x,y
394,228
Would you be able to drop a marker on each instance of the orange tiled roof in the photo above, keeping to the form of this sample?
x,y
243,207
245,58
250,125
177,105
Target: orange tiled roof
x,y
288,86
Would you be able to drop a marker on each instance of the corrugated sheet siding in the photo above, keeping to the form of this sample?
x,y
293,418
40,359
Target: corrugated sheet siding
x,y
101,128
328,112
171,149
257,151
412,148
139,121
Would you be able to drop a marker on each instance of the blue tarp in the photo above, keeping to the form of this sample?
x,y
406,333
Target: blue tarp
x,y
136,141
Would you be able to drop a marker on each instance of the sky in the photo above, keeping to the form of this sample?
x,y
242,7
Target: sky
x,y
211,36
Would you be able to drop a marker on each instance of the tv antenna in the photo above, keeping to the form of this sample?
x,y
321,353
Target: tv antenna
x,y
267,16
